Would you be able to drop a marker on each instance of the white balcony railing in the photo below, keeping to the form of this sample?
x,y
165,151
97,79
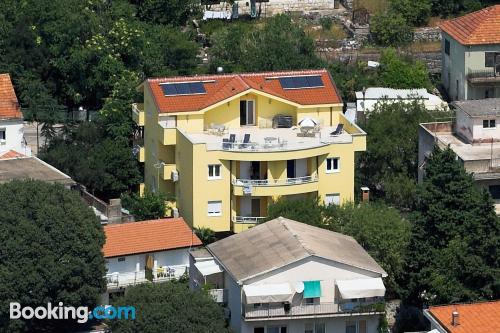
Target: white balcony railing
x,y
160,274
249,219
275,182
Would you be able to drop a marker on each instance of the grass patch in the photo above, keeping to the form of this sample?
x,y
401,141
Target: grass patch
x,y
373,6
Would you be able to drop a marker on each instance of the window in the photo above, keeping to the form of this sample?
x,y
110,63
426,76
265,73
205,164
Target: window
x,y
3,133
309,328
320,328
447,47
258,330
350,328
489,58
494,191
332,199
489,123
276,329
332,164
121,259
309,301
247,112
215,208
214,171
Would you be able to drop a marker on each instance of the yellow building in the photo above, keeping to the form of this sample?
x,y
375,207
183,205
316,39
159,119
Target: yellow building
x,y
227,145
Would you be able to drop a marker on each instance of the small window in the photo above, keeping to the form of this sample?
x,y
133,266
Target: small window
x,y
489,59
214,171
447,47
121,259
310,301
215,208
332,164
3,133
276,329
489,123
350,328
309,328
320,328
332,199
258,330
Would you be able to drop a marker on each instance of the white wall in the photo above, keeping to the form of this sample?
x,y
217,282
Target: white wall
x,y
485,133
333,325
13,136
464,125
233,302
164,258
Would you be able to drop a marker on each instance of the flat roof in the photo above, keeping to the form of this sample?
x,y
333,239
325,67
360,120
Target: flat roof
x,y
479,107
31,168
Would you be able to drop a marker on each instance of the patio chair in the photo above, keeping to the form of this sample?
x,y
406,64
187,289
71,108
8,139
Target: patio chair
x,y
246,141
338,130
226,143
232,138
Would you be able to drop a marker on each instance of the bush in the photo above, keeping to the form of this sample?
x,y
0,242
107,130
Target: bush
x,y
326,23
390,29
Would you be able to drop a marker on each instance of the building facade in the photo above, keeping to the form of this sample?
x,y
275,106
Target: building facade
x,y
225,146
300,279
474,135
471,55
11,120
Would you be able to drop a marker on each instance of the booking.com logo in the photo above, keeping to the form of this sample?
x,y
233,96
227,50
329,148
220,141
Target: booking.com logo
x,y
82,313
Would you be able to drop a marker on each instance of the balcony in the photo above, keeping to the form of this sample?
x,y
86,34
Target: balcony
x,y
490,75
249,219
118,280
138,113
273,187
279,310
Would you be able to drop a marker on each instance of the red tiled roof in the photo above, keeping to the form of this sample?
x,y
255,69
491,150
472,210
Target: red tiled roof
x,y
473,318
228,85
9,107
477,28
148,236
10,154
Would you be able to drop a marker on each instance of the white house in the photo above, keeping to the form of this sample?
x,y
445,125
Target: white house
x,y
368,98
155,250
11,120
285,276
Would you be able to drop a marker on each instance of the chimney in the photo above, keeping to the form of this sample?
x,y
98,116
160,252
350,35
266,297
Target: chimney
x,y
365,194
455,318
115,211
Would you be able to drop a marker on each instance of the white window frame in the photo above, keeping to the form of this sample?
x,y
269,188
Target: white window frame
x,y
332,159
3,138
489,123
247,112
332,202
212,211
212,174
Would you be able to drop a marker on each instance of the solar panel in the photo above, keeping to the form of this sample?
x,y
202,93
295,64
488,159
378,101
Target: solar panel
x,y
297,82
184,88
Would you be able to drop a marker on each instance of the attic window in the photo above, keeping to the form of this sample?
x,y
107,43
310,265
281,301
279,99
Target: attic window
x,y
183,88
298,82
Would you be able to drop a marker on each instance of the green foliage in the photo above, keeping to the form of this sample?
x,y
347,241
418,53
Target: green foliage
x,y
404,73
453,254
148,207
390,29
307,210
380,230
326,23
175,12
170,307
446,8
278,44
206,235
416,13
50,250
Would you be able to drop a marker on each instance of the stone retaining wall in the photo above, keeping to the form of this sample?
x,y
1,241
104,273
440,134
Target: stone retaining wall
x,y
426,34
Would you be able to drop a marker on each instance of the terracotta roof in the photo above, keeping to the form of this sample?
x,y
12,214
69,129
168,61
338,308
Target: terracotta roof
x,y
477,28
10,154
473,318
9,107
148,236
227,85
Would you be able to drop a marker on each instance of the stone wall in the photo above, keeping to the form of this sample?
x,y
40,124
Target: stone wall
x,y
274,7
426,34
348,4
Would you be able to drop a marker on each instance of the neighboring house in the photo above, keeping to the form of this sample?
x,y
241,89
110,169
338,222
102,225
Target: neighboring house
x,y
139,252
227,145
471,55
11,120
465,318
284,276
474,136
368,98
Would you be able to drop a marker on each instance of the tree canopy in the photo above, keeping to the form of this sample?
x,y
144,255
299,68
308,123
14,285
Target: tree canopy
x,y
50,250
170,307
453,253
148,207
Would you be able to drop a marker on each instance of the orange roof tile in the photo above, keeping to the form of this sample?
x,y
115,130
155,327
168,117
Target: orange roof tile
x,y
9,107
10,154
147,236
477,28
228,85
473,318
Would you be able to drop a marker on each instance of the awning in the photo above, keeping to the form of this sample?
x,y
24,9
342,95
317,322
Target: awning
x,y
208,267
312,289
268,293
361,288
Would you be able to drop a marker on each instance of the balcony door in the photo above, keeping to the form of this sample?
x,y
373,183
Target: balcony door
x,y
247,112
255,207
291,170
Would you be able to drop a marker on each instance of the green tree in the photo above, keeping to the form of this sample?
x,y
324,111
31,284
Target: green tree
x,y
174,12
148,207
307,210
206,235
404,73
453,253
50,250
390,29
416,13
380,230
170,307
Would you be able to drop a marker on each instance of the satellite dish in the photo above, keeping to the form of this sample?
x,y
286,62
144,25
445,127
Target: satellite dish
x,y
220,70
298,286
